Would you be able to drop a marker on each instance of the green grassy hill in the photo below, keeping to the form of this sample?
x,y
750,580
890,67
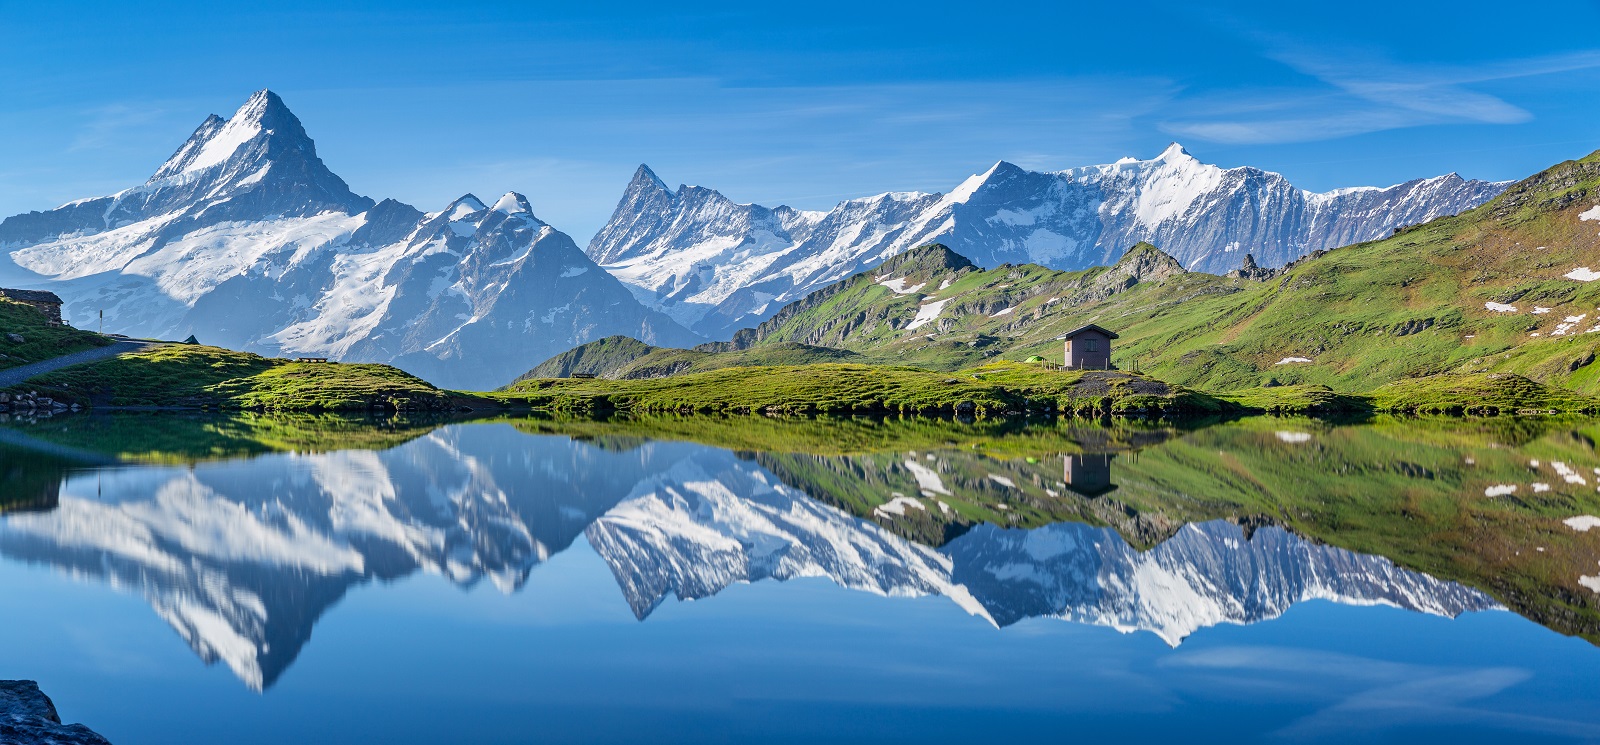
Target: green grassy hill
x,y
40,340
1497,289
186,375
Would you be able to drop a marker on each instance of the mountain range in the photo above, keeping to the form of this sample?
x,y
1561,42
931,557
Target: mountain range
x,y
717,266
245,239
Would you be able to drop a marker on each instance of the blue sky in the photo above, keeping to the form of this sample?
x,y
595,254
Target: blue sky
x,y
797,103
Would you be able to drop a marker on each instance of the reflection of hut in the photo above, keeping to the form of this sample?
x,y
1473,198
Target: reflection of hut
x,y
1088,474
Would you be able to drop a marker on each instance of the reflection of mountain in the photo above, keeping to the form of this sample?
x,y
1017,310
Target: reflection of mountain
x,y
715,520
242,557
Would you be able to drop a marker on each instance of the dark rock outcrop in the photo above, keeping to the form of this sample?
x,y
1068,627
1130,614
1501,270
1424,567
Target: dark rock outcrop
x,y
28,717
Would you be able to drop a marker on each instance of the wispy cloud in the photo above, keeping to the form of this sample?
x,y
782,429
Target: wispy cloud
x,y
1358,93
105,124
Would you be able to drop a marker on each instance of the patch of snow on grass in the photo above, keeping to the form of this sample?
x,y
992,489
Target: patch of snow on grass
x,y
1540,488
1002,312
1500,490
897,506
1592,583
927,313
1566,326
1292,360
1500,307
945,285
1003,481
1593,213
1567,474
898,286
1294,437
1582,523
1582,274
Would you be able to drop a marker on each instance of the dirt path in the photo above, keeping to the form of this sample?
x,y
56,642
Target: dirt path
x,y
16,375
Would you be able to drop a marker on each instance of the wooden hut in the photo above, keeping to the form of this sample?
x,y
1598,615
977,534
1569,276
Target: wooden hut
x,y
1087,348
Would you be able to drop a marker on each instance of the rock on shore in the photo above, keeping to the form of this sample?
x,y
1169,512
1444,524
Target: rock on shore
x,y
28,717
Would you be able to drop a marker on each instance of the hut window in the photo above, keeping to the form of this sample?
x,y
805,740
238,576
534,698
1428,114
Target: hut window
x,y
1089,345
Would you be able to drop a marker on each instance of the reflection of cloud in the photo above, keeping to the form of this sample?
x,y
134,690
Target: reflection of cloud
x,y
1368,96
1380,694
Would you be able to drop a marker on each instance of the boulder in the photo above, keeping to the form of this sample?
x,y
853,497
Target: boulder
x,y
15,338
29,716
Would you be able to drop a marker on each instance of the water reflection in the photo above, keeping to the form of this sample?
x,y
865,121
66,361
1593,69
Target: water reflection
x,y
242,556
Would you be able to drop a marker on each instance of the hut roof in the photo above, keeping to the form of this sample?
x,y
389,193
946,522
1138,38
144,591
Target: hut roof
x,y
1081,329
31,296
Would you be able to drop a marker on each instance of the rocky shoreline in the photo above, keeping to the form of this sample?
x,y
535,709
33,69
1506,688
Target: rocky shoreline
x,y
29,717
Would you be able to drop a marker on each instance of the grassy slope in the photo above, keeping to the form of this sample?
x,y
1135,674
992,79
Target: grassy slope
x,y
186,375
1367,315
621,357
842,389
40,340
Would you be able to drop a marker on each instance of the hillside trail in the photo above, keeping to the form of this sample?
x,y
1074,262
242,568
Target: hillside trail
x,y
17,375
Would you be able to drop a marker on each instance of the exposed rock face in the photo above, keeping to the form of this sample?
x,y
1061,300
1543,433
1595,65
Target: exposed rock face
x,y
28,717
1249,270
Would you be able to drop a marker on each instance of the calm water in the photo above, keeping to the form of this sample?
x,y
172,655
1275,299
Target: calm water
x,y
173,579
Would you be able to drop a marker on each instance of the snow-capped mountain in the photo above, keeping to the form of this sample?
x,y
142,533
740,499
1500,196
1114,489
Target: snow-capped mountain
x,y
717,266
245,239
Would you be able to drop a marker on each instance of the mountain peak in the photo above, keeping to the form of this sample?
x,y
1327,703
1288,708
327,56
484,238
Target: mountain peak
x,y
466,204
1174,152
644,178
263,115
512,203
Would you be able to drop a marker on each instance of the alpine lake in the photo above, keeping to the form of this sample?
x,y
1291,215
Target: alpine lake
x,y
178,578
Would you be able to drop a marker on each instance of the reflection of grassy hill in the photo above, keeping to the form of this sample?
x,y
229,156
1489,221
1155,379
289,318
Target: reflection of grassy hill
x,y
828,436
170,437
30,480
1414,492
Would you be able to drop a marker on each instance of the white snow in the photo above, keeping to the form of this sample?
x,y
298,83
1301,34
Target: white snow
x,y
1500,307
1593,583
573,271
1294,437
1500,490
898,286
927,479
1582,523
927,313
1292,360
898,506
1593,213
1582,274
511,204
1006,311
1568,324
1002,480
1539,488
244,126
1540,310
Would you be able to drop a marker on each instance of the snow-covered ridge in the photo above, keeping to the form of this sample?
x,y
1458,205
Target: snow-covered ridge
x,y
717,266
245,239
